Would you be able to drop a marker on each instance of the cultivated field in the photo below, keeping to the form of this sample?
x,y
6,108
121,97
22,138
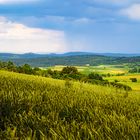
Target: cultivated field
x,y
34,107
102,69
113,70
125,79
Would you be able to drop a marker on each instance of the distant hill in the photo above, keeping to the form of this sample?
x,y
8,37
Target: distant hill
x,y
19,56
34,55
63,60
119,54
81,60
71,58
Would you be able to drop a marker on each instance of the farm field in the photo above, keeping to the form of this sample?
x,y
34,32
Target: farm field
x,y
102,69
113,70
125,79
34,107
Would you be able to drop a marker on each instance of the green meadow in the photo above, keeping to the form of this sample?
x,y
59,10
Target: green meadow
x,y
102,69
33,107
114,71
126,79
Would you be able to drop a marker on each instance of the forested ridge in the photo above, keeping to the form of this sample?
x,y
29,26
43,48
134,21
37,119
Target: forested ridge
x,y
78,60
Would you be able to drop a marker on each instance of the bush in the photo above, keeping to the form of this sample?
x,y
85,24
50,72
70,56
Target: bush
x,y
116,81
95,76
133,79
69,70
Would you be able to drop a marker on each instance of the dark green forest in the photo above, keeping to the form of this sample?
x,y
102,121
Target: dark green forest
x,y
79,60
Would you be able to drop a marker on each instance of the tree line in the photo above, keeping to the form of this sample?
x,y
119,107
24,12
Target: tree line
x,y
67,73
134,70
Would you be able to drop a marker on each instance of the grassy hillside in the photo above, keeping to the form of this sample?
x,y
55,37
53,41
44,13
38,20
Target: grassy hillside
x,y
34,107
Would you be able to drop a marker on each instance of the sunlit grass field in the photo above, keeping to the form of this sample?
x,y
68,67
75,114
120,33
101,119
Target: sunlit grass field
x,y
125,79
102,69
109,69
34,107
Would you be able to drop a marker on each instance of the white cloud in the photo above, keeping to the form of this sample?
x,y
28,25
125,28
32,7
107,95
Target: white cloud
x,y
106,1
83,21
15,37
15,1
59,21
114,2
133,12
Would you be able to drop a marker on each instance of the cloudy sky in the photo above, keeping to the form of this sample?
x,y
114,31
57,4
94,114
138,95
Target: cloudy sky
x,y
44,26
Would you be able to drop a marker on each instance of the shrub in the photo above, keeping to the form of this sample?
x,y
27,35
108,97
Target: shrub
x,y
69,70
133,79
95,76
116,81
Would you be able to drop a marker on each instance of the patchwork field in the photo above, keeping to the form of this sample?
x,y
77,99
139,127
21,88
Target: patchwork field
x,y
102,69
126,80
113,70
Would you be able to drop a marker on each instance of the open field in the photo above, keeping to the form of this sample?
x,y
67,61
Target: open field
x,y
126,80
113,70
102,69
34,107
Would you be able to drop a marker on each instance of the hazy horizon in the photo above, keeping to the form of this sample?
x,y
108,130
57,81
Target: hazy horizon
x,y
43,53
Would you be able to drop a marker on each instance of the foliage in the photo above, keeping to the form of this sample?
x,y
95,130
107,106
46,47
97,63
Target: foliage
x,y
135,70
78,60
69,70
8,66
95,76
67,73
133,79
26,68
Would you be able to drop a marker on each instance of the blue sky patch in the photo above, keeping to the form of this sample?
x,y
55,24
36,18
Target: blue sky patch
x,y
69,25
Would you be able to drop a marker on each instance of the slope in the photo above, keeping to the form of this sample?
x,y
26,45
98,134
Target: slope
x,y
42,108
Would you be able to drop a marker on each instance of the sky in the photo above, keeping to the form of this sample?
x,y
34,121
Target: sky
x,y
58,26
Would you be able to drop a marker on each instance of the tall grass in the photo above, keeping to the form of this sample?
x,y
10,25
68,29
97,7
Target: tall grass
x,y
34,107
